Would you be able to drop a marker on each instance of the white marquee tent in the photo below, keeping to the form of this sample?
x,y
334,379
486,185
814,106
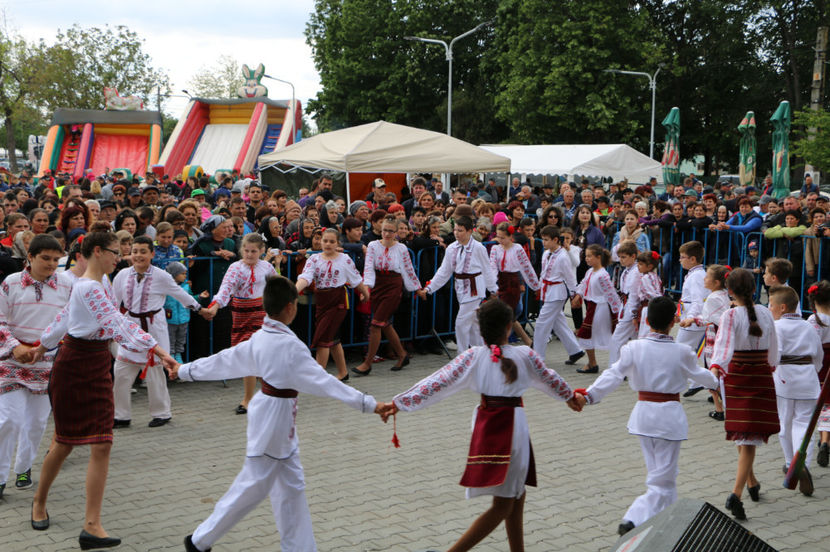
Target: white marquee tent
x,y
617,161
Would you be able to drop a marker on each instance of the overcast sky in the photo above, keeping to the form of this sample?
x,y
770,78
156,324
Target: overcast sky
x,y
183,35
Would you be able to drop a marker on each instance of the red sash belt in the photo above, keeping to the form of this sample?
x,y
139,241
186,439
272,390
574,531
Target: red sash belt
x,y
141,316
471,278
491,443
653,396
272,391
546,283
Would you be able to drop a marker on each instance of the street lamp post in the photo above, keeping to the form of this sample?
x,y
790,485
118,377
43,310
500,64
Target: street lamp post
x,y
448,51
652,83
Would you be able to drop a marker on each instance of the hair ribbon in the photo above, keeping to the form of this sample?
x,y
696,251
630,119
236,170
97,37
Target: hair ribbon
x,y
495,353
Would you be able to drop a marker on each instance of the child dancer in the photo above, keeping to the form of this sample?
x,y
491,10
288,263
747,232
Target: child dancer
x,y
272,460
467,260
745,353
796,384
819,295
650,287
141,291
715,304
657,368
330,272
691,300
242,287
29,301
80,386
558,278
511,263
777,273
629,291
501,373
602,306
387,270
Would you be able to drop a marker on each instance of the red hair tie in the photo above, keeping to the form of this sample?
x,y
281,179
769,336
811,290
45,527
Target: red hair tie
x,y
812,290
510,230
495,353
728,268
655,255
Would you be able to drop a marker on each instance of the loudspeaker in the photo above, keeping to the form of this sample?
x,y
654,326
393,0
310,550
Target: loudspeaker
x,y
691,525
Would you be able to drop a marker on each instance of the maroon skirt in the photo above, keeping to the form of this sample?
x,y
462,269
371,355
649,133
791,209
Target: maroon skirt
x,y
80,390
386,296
585,331
825,365
751,405
510,289
331,306
247,318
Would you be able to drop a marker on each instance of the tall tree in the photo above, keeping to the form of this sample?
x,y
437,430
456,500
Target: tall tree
x,y
219,80
16,78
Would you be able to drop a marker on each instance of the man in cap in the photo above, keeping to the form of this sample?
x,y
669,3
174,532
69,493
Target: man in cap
x,y
378,190
134,198
150,196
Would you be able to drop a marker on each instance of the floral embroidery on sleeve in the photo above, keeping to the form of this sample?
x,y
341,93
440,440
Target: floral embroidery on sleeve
x,y
550,377
437,382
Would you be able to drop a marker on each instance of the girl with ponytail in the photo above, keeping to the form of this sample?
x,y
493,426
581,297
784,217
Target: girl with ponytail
x,y
500,373
745,353
819,297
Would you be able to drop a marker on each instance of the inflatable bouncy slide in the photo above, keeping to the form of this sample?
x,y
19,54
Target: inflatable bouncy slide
x,y
88,140
229,134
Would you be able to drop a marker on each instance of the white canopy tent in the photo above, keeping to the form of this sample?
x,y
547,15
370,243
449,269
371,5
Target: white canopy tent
x,y
617,161
387,147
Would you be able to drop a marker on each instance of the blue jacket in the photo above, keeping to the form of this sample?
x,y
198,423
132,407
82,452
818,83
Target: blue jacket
x,y
176,312
163,256
751,223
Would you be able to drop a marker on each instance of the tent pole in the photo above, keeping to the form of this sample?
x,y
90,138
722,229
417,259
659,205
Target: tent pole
x,y
348,192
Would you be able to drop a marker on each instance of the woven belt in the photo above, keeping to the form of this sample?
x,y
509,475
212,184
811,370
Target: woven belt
x,y
142,316
471,278
491,401
272,391
750,357
546,283
652,396
796,359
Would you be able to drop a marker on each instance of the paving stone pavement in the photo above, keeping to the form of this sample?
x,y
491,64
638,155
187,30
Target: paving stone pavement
x,y
366,495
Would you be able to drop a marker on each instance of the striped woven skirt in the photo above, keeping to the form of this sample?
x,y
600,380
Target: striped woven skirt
x,y
510,289
247,318
751,405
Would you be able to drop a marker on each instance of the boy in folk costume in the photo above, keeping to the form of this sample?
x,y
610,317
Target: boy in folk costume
x,y
242,287
658,368
501,373
29,302
272,461
796,382
330,272
386,271
650,287
693,294
819,296
602,304
746,353
626,329
777,273
511,264
467,260
140,291
558,280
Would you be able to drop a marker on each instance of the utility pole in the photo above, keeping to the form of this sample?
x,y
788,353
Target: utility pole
x,y
817,88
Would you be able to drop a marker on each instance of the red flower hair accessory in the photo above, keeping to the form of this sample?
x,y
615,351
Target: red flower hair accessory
x,y
655,255
812,290
511,230
495,353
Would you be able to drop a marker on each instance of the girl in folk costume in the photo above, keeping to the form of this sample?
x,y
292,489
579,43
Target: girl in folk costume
x,y
602,306
330,272
511,263
650,287
715,304
80,386
242,287
501,373
387,270
819,296
745,354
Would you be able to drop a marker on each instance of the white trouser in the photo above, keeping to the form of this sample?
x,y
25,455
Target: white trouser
x,y
283,482
125,373
661,458
794,416
467,333
23,417
550,318
690,337
625,331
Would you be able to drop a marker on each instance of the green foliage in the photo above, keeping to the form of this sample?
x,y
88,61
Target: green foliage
x,y
813,147
220,80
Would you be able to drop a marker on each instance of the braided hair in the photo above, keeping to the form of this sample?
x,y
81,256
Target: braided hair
x,y
741,284
819,294
494,317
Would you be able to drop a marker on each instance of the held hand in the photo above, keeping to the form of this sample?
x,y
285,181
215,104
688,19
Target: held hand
x,y
686,322
576,302
385,410
207,314
422,294
574,402
715,371
37,353
364,295
22,354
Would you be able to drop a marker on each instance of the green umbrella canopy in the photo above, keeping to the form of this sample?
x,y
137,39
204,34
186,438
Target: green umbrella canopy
x,y
781,150
746,162
671,153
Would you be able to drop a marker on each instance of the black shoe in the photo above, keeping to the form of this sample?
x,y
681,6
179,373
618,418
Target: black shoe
x,y
399,367
241,410
805,482
88,541
361,373
574,358
625,527
784,469
715,415
692,391
158,422
41,524
120,423
24,480
823,455
2,488
344,379
711,399
734,505
591,370
190,547
754,492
